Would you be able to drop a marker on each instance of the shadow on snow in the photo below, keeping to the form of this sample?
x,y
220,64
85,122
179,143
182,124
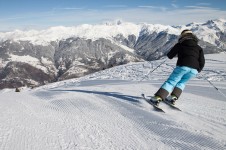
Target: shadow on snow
x,y
110,94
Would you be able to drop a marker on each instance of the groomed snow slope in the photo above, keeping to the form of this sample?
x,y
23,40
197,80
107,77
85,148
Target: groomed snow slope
x,y
105,111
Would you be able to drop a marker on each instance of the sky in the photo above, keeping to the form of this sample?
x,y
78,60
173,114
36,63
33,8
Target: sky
x,y
41,14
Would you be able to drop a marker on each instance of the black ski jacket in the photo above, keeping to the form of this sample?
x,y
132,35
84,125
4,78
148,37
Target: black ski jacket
x,y
189,54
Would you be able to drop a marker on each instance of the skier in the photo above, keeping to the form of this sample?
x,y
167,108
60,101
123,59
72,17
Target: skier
x,y
190,61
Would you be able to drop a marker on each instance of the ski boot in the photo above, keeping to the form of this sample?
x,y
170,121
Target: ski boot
x,y
156,100
171,99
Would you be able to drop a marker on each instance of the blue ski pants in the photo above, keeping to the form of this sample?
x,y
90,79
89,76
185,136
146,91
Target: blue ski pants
x,y
179,77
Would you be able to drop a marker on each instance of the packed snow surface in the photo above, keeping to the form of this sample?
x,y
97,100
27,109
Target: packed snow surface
x,y
105,111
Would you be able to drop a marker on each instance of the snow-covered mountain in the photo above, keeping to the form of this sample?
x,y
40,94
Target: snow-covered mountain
x,y
105,110
60,53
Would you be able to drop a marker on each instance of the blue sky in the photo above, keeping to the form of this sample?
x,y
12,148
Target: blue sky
x,y
41,14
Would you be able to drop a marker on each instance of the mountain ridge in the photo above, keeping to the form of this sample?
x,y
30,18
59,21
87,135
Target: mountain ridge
x,y
70,52
105,30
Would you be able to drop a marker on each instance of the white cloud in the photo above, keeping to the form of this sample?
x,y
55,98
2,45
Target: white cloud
x,y
148,14
174,5
199,7
154,7
170,17
68,8
115,6
204,4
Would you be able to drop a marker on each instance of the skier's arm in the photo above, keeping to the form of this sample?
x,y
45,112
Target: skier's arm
x,y
201,60
173,52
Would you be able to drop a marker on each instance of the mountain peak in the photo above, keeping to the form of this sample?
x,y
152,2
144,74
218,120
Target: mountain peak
x,y
113,23
108,30
216,21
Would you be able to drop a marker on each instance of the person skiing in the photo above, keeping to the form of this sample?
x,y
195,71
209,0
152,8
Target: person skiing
x,y
190,62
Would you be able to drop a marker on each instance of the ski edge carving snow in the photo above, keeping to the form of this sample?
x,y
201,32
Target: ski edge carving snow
x,y
155,106
172,106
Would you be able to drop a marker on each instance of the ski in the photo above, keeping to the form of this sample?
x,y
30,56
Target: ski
x,y
171,105
157,108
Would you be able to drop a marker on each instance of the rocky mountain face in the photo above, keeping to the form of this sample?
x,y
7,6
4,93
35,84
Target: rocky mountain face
x,y
26,62
76,57
18,74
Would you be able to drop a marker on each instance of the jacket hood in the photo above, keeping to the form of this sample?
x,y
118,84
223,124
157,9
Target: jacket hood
x,y
188,39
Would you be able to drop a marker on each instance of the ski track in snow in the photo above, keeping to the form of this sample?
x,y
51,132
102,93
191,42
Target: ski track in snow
x,y
94,113
103,117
